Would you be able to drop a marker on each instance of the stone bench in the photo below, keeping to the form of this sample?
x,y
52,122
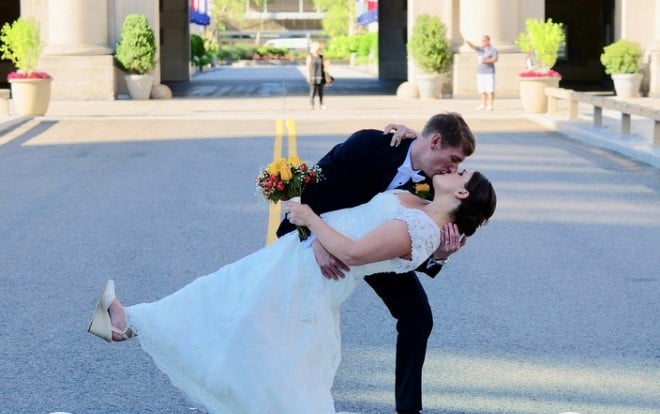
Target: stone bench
x,y
4,102
555,94
644,107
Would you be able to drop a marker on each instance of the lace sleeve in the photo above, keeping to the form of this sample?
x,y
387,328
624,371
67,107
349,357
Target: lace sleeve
x,y
425,237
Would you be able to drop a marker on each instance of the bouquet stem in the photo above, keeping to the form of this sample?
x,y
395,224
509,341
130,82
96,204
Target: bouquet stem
x,y
303,233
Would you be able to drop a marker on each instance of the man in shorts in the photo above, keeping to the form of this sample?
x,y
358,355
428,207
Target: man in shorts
x,y
487,56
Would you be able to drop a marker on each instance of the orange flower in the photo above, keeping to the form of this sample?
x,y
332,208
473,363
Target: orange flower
x,y
423,190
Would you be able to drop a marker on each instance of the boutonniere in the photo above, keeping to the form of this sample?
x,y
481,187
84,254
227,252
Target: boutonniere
x,y
422,190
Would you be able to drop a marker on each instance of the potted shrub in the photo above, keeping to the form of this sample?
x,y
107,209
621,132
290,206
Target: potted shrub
x,y
432,53
30,89
136,55
541,42
198,54
621,61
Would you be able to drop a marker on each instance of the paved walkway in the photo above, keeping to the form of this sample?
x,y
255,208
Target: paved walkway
x,y
548,310
238,93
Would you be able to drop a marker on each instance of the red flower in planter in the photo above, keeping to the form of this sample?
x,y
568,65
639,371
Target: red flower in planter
x,y
538,74
31,75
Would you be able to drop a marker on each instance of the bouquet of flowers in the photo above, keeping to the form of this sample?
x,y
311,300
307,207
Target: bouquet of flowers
x,y
285,179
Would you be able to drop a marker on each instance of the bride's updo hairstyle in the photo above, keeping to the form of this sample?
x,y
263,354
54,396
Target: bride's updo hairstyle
x,y
475,210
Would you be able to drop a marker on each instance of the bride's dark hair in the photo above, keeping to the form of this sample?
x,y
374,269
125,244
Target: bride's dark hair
x,y
475,210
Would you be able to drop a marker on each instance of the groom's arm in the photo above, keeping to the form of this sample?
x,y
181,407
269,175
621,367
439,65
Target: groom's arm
x,y
352,174
451,241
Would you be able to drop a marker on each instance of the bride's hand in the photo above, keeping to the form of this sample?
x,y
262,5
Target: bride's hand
x,y
298,214
401,132
452,241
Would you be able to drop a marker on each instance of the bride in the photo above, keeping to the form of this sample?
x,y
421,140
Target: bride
x,y
261,335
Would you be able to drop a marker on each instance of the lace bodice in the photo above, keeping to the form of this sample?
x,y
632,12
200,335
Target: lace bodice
x,y
358,221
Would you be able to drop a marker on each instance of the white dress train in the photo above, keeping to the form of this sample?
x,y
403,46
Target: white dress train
x,y
261,335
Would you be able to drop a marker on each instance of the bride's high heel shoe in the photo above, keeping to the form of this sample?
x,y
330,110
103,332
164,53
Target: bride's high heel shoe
x,y
101,325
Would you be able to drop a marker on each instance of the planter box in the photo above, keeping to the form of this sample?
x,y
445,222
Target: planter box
x,y
430,85
627,85
139,86
532,92
30,96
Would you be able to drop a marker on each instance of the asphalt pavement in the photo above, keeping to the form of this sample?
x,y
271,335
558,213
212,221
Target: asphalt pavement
x,y
551,308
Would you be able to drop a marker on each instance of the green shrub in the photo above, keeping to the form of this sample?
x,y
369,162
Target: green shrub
x,y
367,43
197,49
20,43
341,47
543,39
338,48
136,51
199,57
429,46
621,57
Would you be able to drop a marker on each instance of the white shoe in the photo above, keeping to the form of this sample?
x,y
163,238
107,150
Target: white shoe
x,y
324,107
101,324
489,108
480,108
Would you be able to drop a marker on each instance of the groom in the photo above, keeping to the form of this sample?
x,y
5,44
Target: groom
x,y
356,170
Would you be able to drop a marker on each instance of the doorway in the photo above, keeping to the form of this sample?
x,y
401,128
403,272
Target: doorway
x,y
10,10
174,40
587,32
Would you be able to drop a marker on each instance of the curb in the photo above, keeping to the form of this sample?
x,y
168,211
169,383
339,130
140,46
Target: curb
x,y
630,146
12,122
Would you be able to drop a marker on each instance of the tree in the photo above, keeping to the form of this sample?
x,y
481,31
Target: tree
x,y
340,16
223,12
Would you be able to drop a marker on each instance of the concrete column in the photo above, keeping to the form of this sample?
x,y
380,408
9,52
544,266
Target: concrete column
x,y
497,18
76,52
77,27
502,20
654,67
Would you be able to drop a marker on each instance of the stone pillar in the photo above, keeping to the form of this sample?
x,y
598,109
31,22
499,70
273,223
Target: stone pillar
x,y
502,20
77,27
76,52
497,18
654,67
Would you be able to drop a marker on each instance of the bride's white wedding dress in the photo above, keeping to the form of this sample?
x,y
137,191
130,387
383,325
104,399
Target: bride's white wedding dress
x,y
261,335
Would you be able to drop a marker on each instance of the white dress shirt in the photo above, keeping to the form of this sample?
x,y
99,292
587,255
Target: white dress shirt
x,y
405,173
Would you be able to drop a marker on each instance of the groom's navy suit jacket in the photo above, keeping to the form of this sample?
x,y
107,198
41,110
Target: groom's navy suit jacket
x,y
354,172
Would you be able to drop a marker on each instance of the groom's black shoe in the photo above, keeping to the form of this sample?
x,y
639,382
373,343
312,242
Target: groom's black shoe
x,y
408,412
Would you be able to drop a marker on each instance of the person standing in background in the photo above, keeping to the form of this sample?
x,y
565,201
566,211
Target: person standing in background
x,y
316,67
485,72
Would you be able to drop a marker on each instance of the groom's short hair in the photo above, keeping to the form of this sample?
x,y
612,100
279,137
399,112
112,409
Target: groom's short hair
x,y
454,130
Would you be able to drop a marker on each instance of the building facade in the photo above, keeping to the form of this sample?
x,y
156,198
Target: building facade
x,y
80,36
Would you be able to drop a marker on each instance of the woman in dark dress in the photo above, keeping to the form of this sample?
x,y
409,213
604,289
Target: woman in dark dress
x,y
316,67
